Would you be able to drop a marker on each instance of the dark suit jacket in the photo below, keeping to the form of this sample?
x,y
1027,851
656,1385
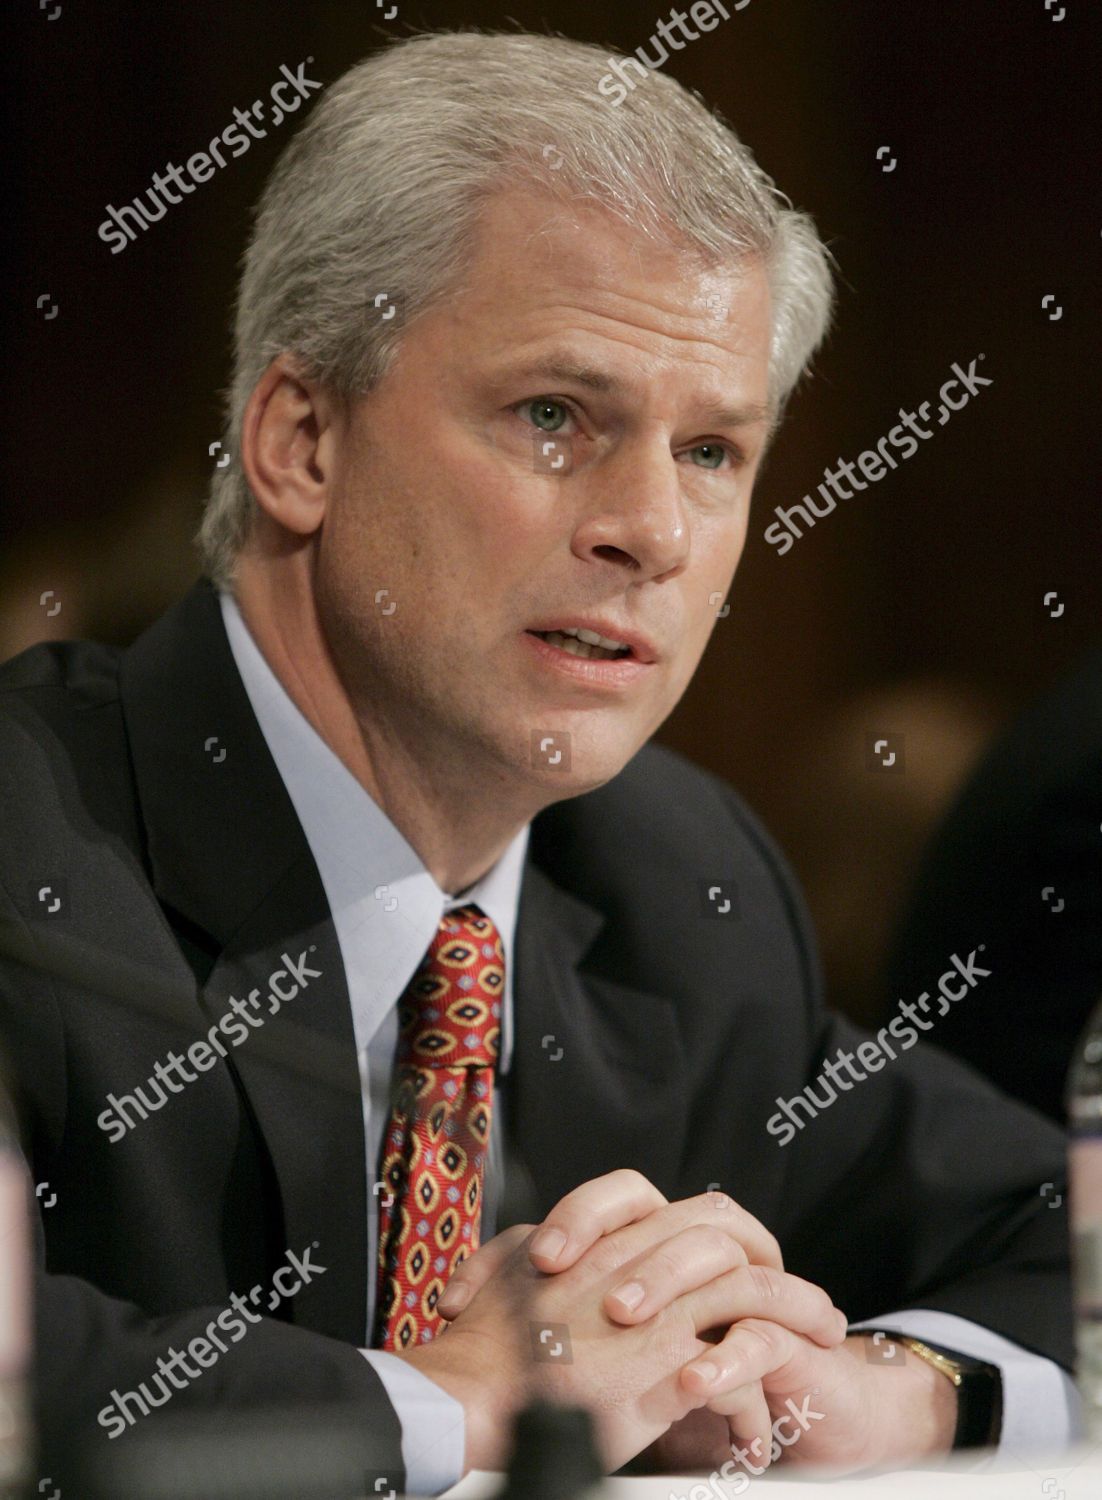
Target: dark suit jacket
x,y
679,1026
1018,864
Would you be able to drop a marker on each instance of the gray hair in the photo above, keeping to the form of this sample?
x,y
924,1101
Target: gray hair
x,y
381,189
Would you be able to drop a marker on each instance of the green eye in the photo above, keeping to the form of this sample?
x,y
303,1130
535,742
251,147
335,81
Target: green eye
x,y
539,409
714,450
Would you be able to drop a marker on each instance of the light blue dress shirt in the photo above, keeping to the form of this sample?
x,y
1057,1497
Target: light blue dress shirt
x,y
386,908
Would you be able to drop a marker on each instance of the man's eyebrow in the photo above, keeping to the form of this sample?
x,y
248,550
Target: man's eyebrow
x,y
564,367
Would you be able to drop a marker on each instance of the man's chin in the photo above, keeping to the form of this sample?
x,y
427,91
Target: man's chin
x,y
562,764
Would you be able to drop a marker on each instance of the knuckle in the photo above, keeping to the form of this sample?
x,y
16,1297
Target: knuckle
x,y
703,1205
720,1246
740,1256
664,1265
604,1256
582,1194
760,1333
635,1182
768,1283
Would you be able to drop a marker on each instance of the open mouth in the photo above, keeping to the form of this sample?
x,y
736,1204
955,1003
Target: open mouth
x,y
576,647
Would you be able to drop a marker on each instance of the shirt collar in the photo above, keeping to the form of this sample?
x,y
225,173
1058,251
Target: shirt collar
x,y
386,906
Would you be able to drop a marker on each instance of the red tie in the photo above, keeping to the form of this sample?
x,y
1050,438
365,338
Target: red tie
x,y
434,1151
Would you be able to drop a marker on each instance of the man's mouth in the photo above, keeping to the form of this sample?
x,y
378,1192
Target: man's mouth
x,y
573,642
600,637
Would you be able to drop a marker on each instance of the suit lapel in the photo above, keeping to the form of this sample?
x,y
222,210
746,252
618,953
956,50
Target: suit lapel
x,y
597,1076
229,857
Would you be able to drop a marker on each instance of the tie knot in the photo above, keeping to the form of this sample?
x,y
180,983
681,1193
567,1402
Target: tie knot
x,y
450,1012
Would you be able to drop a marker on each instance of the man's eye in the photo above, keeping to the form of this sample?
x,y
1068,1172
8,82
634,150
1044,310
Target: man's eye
x,y
546,414
714,453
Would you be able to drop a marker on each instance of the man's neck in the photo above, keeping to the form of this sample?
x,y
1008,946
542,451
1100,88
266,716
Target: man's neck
x,y
458,835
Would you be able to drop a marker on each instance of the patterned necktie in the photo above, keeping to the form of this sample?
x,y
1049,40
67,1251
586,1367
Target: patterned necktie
x,y
434,1150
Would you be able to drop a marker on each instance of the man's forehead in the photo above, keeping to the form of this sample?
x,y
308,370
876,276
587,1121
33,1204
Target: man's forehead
x,y
530,244
597,293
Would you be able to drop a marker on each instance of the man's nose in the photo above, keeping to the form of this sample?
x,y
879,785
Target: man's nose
x,y
635,512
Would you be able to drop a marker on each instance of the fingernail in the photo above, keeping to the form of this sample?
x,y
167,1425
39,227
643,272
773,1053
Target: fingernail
x,y
843,1323
548,1243
704,1370
456,1298
630,1294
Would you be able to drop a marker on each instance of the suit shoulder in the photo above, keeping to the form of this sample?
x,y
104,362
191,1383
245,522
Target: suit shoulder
x,y
60,718
77,674
677,811
678,798
666,841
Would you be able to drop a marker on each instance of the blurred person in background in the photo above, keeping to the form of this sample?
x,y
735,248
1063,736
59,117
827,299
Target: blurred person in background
x,y
1017,864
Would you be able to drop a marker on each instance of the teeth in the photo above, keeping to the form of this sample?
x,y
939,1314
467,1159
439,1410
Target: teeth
x,y
576,647
593,639
598,640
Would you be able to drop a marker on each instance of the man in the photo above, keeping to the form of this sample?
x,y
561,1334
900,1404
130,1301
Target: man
x,y
501,373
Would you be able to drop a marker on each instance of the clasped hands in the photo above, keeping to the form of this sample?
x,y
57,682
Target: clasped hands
x,y
688,1339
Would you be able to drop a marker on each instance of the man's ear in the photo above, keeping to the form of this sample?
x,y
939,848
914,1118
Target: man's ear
x,y
289,441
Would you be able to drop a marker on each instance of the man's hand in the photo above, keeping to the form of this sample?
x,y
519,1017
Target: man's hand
x,y
704,1246
677,1248
696,1281
831,1407
617,1217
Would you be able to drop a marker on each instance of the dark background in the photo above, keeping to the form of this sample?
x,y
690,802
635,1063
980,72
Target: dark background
x,y
915,609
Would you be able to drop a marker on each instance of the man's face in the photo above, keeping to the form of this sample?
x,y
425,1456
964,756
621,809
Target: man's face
x,y
633,515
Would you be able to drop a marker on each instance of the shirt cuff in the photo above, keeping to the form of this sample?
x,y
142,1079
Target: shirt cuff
x,y
433,1424
1041,1406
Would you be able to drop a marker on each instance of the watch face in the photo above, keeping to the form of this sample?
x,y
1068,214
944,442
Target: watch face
x,y
979,1405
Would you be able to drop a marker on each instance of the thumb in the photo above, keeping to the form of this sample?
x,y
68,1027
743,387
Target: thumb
x,y
477,1269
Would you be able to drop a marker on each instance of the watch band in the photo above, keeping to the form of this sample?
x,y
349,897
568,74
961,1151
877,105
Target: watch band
x,y
978,1386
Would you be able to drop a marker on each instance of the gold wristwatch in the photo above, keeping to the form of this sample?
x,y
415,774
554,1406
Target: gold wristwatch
x,y
979,1390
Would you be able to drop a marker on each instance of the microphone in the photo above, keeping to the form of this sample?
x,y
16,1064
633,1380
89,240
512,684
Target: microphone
x,y
554,1454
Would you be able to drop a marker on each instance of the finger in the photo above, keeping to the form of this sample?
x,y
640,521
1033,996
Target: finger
x,y
750,1351
590,1211
750,1425
687,1260
756,1452
473,1273
752,1291
715,1210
